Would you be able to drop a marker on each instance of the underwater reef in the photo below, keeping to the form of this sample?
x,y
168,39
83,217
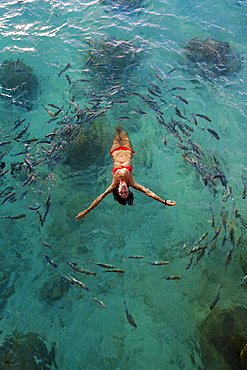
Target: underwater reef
x,y
89,147
112,56
224,339
18,81
26,352
212,58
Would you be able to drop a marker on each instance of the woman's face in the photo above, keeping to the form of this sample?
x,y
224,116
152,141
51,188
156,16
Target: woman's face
x,y
123,191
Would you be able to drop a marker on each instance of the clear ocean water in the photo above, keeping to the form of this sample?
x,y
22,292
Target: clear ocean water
x,y
60,123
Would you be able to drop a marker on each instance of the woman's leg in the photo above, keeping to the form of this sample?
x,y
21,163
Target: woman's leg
x,y
125,139
117,139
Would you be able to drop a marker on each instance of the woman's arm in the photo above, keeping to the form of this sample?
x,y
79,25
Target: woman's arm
x,y
151,194
95,202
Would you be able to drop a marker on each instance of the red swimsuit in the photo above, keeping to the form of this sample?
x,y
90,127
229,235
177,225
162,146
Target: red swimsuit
x,y
128,167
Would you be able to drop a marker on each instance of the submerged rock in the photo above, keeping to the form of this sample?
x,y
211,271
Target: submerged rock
x,y
53,289
18,81
26,352
89,147
224,339
112,56
212,58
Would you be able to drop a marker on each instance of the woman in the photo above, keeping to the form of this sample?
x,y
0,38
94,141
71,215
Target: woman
x,y
122,153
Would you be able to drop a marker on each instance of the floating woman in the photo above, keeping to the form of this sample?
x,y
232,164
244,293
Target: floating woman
x,y
122,153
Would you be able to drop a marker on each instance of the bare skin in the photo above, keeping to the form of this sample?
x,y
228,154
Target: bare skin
x,y
123,178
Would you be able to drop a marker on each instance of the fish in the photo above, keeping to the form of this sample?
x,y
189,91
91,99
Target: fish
x,y
129,317
77,268
16,64
216,299
20,134
181,98
136,256
156,88
231,235
34,208
124,117
172,277
212,216
172,70
120,101
54,106
138,110
177,88
17,217
80,283
213,245
204,117
197,248
49,260
46,244
68,79
158,263
222,178
217,231
29,141
104,265
202,237
227,194
213,132
152,92
8,197
229,257
99,302
18,123
29,165
158,76
244,187
165,139
178,113
189,263
2,173
5,142
30,179
67,66
119,271
200,254
194,118
223,216
47,201
235,210
67,278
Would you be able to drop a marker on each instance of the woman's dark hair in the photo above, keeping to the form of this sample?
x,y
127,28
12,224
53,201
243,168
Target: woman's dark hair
x,y
121,200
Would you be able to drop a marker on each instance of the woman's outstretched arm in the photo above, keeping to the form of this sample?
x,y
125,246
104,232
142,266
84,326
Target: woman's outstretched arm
x,y
95,202
151,194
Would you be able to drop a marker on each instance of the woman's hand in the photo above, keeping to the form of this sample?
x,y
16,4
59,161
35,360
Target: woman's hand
x,y
81,214
170,202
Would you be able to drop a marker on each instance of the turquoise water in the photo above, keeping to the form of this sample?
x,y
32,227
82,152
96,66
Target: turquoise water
x,y
47,35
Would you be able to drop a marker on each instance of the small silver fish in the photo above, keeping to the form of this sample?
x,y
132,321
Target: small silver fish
x,y
17,217
158,263
172,277
81,284
104,265
136,256
49,260
99,302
